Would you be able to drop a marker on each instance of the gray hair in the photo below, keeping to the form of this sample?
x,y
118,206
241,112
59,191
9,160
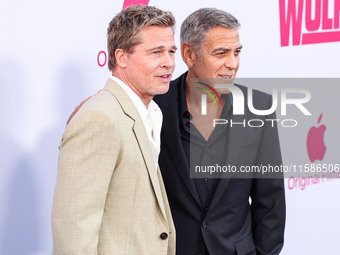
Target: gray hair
x,y
197,24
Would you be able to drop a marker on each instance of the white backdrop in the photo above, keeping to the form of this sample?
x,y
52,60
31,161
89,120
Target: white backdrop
x,y
48,65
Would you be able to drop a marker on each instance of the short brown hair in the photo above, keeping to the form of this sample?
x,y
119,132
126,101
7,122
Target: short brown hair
x,y
123,30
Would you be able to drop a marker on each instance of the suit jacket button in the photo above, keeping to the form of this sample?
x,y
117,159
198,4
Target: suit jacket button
x,y
164,236
204,224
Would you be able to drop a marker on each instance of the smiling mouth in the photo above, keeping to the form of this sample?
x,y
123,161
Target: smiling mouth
x,y
165,76
226,76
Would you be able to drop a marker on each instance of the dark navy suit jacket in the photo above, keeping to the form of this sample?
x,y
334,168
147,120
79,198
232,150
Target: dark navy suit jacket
x,y
231,225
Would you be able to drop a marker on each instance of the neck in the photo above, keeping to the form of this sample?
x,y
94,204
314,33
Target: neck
x,y
194,96
146,99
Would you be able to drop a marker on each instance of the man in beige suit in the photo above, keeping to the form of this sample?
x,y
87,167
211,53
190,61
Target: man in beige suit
x,y
109,197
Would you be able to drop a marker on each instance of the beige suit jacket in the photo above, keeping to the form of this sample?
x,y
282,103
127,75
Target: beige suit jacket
x,y
109,197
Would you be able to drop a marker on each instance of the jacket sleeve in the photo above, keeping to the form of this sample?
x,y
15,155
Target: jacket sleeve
x,y
268,196
87,158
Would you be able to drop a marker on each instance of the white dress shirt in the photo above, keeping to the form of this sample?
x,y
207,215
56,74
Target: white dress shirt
x,y
152,118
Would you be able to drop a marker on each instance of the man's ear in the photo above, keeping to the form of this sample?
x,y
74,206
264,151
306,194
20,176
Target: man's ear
x,y
188,54
121,58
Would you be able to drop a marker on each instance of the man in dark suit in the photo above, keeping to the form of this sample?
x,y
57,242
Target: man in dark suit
x,y
215,215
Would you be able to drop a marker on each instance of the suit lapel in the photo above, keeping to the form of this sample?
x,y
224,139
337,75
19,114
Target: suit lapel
x,y
141,136
172,137
235,141
144,146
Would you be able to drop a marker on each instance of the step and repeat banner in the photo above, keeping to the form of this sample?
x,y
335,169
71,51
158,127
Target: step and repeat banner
x,y
53,55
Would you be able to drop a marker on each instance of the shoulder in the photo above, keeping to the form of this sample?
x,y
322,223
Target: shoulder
x,y
101,108
103,101
259,99
256,93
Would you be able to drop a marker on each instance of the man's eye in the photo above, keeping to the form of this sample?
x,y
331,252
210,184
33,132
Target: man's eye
x,y
156,52
238,52
172,52
221,54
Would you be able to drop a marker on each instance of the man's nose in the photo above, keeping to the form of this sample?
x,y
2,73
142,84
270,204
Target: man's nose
x,y
168,60
231,62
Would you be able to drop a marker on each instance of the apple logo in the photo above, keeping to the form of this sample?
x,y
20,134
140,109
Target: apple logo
x,y
316,147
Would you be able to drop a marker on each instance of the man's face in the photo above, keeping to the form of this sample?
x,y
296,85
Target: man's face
x,y
219,56
150,66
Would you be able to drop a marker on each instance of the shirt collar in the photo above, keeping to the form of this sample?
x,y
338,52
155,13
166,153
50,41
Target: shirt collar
x,y
153,108
183,107
142,110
